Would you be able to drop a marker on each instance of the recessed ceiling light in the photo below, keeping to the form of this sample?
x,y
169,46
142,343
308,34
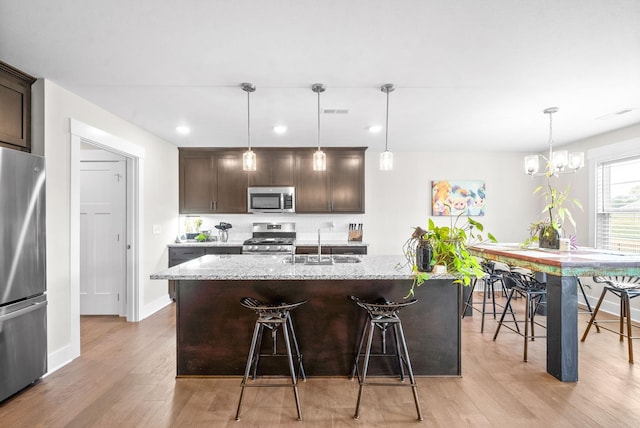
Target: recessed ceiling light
x,y
184,130
279,129
375,128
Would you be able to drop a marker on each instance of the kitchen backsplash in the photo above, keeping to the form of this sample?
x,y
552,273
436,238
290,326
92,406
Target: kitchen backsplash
x,y
334,227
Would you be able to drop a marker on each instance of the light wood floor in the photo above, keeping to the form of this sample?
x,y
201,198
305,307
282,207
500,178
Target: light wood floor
x,y
126,378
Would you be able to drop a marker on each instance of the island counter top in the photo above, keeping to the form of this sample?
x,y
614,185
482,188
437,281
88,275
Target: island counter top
x,y
279,267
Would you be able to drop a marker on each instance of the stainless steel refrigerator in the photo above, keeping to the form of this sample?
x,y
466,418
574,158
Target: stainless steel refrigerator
x,y
23,300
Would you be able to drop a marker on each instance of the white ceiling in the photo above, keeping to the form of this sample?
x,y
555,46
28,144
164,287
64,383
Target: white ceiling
x,y
470,75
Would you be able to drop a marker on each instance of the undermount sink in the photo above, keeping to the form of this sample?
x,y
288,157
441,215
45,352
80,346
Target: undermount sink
x,y
324,260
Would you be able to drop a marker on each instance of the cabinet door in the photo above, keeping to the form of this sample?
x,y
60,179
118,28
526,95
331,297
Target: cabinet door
x,y
231,189
282,167
307,249
181,255
312,187
346,169
274,168
224,250
349,249
15,108
197,181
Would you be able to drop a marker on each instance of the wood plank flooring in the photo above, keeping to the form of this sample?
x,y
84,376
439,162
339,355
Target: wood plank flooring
x,y
126,378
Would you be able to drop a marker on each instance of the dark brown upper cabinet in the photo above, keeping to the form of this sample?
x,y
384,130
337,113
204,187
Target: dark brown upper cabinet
x,y
274,167
212,181
15,108
339,189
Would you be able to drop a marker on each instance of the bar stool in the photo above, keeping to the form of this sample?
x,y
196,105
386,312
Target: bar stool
x,y
275,318
381,315
493,275
535,293
626,288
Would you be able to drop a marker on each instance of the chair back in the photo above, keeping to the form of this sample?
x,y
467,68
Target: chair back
x,y
523,281
619,282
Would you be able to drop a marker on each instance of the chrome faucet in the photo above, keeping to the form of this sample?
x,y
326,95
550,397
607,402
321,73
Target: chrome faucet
x,y
319,246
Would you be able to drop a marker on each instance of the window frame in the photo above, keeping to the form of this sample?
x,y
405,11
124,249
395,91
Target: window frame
x,y
611,152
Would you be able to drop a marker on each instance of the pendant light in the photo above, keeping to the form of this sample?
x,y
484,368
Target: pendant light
x,y
386,157
248,157
558,162
319,157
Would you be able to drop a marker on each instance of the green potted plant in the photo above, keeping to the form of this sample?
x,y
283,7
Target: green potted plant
x,y
548,230
448,248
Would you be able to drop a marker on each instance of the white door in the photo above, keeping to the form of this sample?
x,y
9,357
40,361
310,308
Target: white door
x,y
102,238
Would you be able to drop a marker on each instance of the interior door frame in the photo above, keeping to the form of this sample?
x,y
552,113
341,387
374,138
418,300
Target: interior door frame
x,y
81,132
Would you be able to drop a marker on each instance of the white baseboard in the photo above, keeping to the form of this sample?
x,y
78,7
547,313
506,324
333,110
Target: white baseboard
x,y
60,358
153,307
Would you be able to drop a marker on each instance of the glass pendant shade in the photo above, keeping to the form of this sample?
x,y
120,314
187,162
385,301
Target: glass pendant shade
x,y
319,161
531,164
249,161
386,161
560,159
576,160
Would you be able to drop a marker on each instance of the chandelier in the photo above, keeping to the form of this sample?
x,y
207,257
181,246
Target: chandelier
x,y
558,162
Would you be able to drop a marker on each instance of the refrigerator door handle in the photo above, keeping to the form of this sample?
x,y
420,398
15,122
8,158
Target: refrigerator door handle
x,y
22,311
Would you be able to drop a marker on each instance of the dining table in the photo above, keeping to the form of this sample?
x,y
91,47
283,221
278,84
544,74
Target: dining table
x,y
562,269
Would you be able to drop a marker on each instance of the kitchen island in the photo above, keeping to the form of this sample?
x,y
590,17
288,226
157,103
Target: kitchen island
x,y
214,330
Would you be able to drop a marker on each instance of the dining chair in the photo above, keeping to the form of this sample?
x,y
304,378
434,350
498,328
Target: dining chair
x,y
625,288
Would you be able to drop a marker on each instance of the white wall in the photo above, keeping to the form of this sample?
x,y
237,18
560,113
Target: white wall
x,y
400,199
160,204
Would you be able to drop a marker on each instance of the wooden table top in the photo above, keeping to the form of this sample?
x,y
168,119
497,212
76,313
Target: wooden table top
x,y
581,262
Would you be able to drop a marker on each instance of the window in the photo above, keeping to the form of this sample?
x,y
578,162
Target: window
x,y
618,205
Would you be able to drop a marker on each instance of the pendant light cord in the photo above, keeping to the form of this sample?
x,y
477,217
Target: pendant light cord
x,y
248,120
551,137
318,120
386,127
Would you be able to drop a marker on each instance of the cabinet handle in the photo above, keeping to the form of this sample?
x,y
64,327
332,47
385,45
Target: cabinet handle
x,y
210,205
215,205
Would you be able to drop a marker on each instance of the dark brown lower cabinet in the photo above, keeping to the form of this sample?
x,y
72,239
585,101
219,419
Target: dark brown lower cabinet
x,y
214,330
179,255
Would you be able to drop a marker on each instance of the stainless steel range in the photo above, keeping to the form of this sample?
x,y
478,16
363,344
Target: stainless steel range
x,y
271,238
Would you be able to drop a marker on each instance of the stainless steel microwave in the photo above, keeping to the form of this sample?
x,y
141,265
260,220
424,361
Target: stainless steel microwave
x,y
264,199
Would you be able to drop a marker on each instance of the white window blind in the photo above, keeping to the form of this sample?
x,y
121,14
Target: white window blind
x,y
618,205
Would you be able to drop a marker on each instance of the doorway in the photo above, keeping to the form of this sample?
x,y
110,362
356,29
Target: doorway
x,y
82,133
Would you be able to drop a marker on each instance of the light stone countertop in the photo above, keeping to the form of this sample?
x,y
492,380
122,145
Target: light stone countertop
x,y
274,267
205,244
218,243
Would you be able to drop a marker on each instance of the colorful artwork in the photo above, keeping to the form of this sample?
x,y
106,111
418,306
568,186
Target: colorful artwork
x,y
455,197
